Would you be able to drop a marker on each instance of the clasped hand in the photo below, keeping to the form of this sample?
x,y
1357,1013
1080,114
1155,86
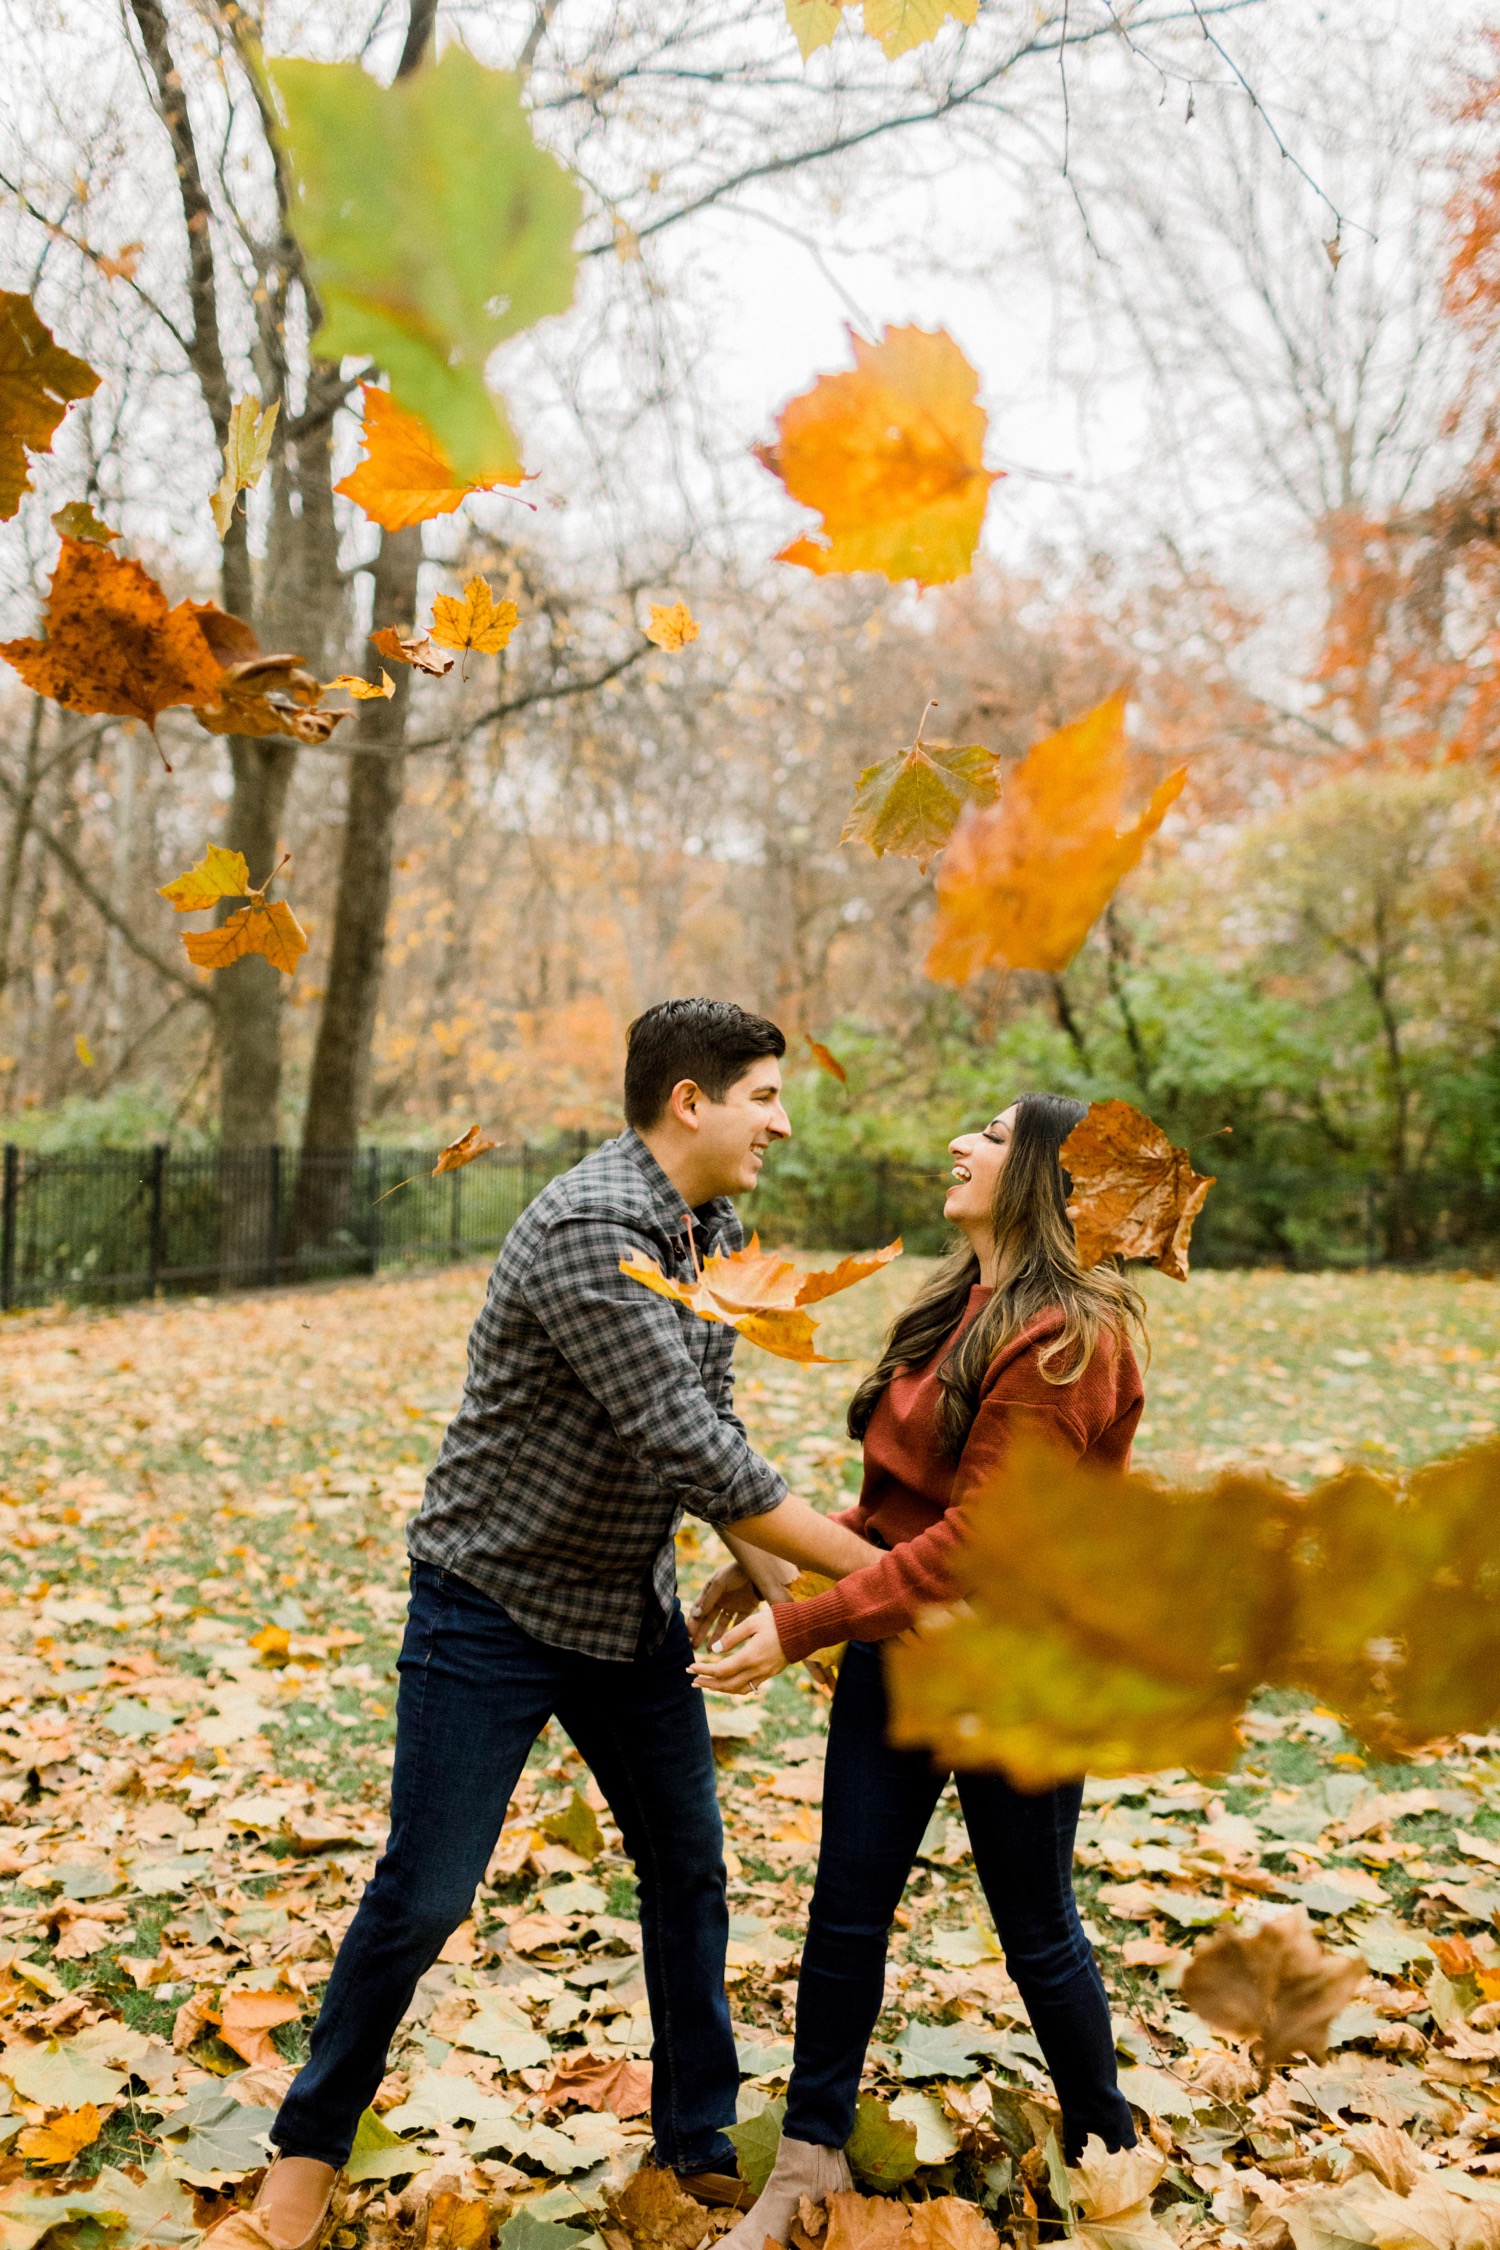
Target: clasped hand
x,y
730,1620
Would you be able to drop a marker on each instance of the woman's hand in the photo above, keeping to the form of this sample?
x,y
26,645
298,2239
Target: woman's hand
x,y
728,1597
747,1657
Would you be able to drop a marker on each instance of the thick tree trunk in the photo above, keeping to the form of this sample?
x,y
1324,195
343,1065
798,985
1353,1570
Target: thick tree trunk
x,y
346,1029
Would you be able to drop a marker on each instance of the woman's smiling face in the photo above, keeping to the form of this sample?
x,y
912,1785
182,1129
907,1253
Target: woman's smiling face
x,y
977,1162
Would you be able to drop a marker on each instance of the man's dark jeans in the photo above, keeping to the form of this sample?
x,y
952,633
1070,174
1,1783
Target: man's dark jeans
x,y
876,1803
476,1691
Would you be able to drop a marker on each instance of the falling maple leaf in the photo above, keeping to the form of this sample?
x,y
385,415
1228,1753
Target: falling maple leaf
x,y
910,804
1275,1985
83,1051
463,1150
900,25
259,694
477,622
826,1059
1134,1195
405,476
891,456
62,2137
122,266
247,449
672,628
434,227
1023,882
39,381
113,645
247,2019
272,930
813,23
77,520
363,690
760,1293
407,648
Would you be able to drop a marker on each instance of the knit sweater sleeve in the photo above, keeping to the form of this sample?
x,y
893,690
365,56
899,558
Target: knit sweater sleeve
x,y
886,1596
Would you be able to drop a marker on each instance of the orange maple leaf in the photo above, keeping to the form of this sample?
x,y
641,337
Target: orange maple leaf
x,y
1022,883
463,1150
891,456
269,929
760,1293
62,2137
248,2019
38,383
405,476
114,646
827,1060
672,629
1134,1194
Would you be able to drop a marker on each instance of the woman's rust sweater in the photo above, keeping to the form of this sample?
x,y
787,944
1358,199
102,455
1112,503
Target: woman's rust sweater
x,y
912,1496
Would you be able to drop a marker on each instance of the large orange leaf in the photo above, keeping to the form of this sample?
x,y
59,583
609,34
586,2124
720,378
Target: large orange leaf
x,y
268,929
1023,882
38,383
406,477
891,456
114,645
249,2018
1134,1194
760,1293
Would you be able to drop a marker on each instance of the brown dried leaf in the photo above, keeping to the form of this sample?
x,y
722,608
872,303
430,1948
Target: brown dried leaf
x,y
1134,1194
1279,1986
113,646
408,648
600,2081
653,2212
39,381
463,1151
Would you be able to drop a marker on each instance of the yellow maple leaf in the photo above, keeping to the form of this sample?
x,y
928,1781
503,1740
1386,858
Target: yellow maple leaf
x,y
38,383
363,690
270,929
476,622
760,1294
891,456
61,2138
220,873
813,22
247,449
900,25
672,628
406,476
1022,883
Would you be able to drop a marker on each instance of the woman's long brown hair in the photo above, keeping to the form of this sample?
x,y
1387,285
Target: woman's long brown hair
x,y
1039,1258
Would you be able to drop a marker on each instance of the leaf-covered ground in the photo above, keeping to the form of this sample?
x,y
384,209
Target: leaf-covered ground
x,y
200,1600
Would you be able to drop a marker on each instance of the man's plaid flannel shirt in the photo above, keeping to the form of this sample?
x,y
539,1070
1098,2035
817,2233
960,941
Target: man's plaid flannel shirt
x,y
594,1415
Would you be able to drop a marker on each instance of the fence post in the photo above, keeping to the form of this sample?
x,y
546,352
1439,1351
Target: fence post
x,y
8,1203
155,1246
372,1189
273,1215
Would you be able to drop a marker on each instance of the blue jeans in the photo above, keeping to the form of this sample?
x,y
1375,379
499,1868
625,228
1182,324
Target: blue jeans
x,y
476,1691
876,1803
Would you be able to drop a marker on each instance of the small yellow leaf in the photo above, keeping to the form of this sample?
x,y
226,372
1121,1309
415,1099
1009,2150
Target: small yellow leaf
x,y
247,449
477,622
362,690
672,628
83,1051
218,874
78,521
814,22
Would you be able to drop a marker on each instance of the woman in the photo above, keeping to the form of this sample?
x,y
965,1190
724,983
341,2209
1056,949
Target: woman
x,y
1009,1334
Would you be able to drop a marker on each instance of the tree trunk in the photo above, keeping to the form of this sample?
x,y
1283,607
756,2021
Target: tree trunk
x,y
346,1028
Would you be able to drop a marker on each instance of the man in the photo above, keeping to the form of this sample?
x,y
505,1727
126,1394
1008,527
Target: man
x,y
543,1584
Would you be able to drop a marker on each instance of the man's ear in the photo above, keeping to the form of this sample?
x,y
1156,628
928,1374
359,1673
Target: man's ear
x,y
685,1104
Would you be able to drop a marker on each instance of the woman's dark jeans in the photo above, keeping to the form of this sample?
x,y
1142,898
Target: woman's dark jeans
x,y
876,1804
476,1691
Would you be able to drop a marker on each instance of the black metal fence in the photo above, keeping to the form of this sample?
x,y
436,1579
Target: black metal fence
x,y
116,1224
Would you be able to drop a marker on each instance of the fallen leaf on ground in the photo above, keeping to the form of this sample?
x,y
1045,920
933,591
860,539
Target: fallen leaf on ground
x,y
61,2138
434,227
672,628
457,2222
1134,1195
827,1060
758,1293
1023,882
405,476
577,1826
272,930
1111,2193
652,2212
363,690
247,2019
114,647
77,520
596,2081
410,648
478,622
882,2148
891,456
247,449
911,804
39,381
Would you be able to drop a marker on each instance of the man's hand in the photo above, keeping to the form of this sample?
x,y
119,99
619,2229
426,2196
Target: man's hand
x,y
748,1655
728,1597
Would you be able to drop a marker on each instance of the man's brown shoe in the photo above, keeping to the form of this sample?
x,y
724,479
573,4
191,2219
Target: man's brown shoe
x,y
726,2189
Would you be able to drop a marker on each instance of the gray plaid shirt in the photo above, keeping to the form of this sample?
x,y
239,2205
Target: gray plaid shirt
x,y
594,1415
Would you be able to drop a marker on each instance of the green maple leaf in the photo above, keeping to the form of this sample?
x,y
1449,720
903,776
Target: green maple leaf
x,y
434,228
910,804
882,2149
